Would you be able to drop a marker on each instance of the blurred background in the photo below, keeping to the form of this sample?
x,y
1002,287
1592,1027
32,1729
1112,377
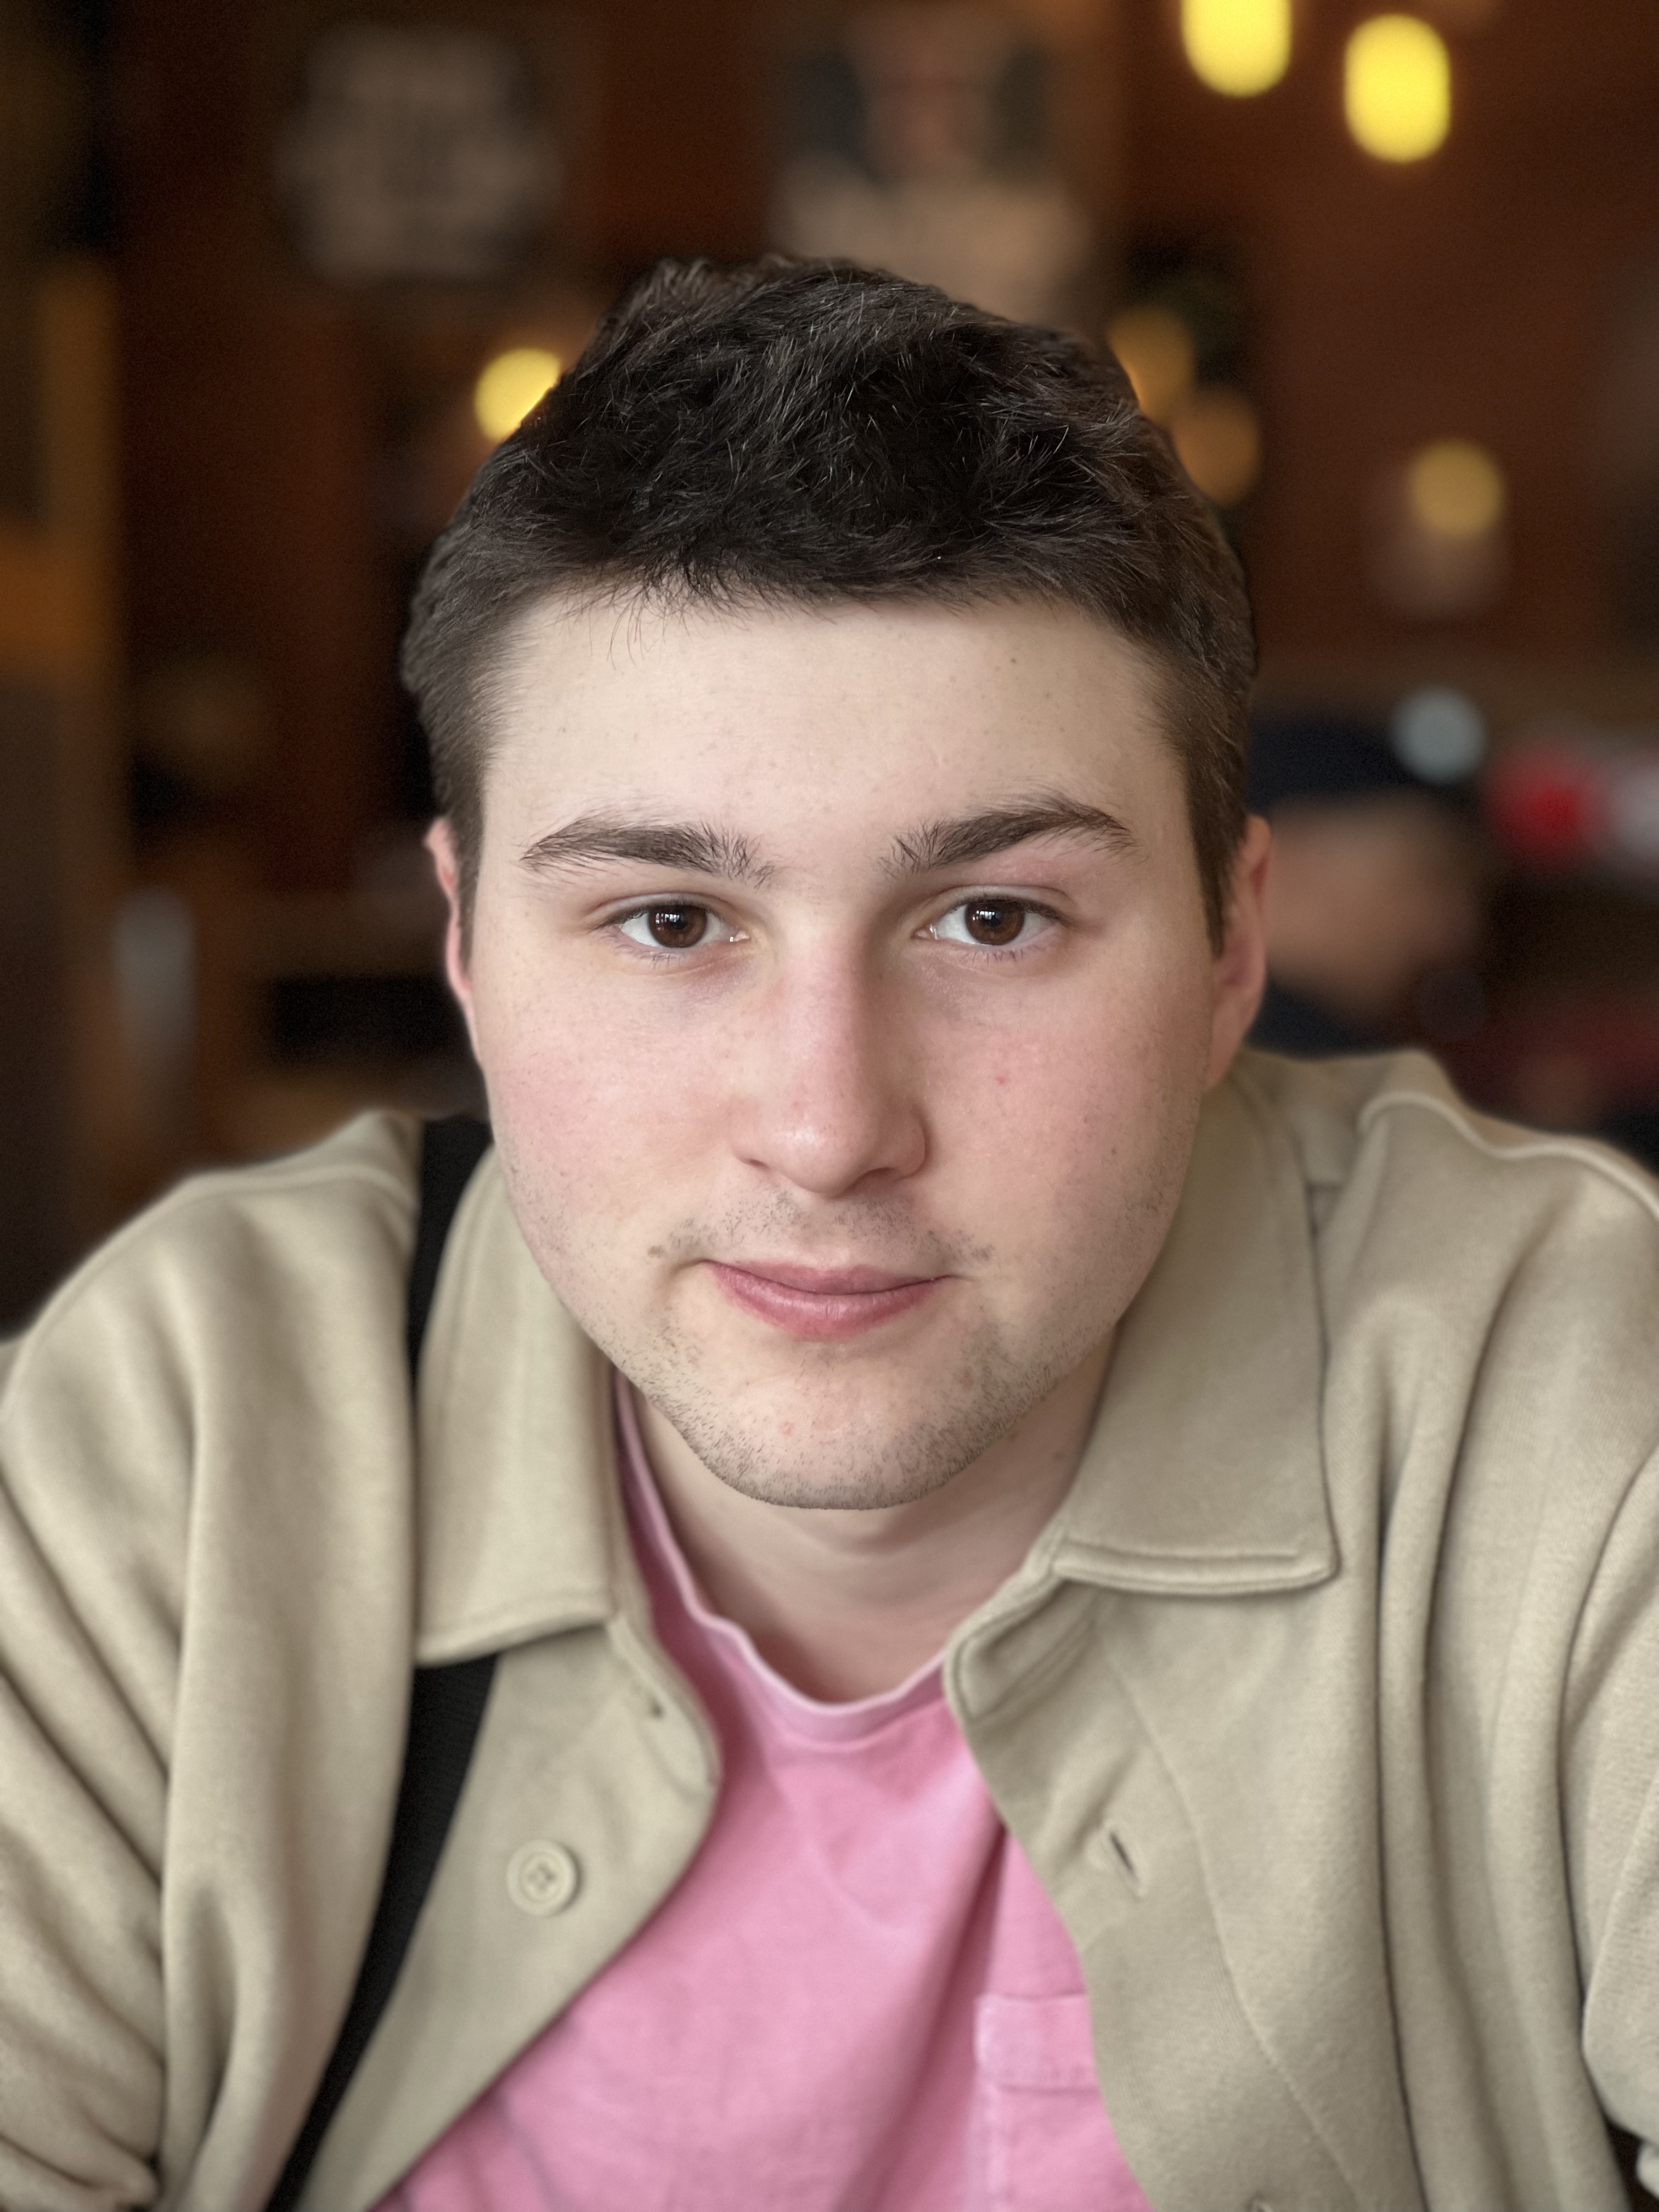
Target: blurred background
x,y
274,275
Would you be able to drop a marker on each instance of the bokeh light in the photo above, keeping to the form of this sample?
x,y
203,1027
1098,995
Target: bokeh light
x,y
509,387
1454,488
1439,733
1240,47
1159,358
1218,439
1397,87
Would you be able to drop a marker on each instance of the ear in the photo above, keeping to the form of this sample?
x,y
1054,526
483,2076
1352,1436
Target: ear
x,y
1240,974
440,843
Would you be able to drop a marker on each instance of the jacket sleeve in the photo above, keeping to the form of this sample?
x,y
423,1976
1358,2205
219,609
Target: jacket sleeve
x,y
1610,1805
93,1474
207,1551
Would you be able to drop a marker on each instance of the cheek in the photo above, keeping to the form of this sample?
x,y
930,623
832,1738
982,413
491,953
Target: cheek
x,y
595,1107
1085,1117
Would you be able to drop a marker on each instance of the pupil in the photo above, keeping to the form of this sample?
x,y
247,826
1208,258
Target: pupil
x,y
677,926
995,923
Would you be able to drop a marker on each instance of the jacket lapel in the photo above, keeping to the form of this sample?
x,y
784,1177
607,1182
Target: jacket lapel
x,y
520,1531
1205,1471
590,1789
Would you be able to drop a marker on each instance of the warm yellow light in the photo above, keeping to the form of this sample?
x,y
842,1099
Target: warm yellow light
x,y
1396,88
1454,488
1218,441
509,387
1158,356
1237,46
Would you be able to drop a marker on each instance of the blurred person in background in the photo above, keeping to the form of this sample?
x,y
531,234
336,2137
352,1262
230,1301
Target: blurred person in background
x,y
1378,888
928,189
913,1583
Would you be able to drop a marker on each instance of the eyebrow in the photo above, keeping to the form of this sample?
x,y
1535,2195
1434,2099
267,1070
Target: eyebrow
x,y
953,842
706,849
700,847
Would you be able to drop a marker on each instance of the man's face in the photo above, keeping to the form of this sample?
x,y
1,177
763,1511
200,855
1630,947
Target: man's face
x,y
841,983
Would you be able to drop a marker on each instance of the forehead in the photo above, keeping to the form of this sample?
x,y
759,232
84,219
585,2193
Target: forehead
x,y
847,708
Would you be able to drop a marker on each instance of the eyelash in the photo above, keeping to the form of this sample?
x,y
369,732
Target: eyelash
x,y
664,956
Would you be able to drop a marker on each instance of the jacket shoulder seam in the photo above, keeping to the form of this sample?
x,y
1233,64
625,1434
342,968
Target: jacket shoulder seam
x,y
1527,1147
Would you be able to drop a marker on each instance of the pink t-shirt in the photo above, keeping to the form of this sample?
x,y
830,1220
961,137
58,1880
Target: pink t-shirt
x,y
858,1999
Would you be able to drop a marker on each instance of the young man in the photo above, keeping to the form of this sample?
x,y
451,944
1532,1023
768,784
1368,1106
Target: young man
x,y
1059,1618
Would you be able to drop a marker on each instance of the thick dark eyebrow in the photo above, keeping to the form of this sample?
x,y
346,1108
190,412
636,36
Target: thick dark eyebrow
x,y
698,848
952,844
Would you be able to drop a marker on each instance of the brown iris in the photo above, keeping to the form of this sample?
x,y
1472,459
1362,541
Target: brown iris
x,y
993,921
676,928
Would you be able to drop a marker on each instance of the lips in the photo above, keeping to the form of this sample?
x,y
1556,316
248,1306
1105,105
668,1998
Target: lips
x,y
822,1304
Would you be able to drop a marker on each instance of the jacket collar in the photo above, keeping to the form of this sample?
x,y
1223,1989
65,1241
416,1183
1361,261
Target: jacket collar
x,y
1203,1473
522,1528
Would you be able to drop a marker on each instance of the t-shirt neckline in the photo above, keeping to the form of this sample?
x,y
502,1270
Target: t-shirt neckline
x,y
820,1719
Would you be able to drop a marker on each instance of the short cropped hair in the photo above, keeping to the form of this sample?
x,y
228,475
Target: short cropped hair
x,y
805,432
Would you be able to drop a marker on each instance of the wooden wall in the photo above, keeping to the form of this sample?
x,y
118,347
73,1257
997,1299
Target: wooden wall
x,y
256,401
250,435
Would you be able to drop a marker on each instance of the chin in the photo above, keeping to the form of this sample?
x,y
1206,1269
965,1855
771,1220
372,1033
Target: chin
x,y
862,1484
844,1441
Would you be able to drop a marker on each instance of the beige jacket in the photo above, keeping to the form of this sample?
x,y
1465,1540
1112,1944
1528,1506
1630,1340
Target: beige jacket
x,y
1327,1708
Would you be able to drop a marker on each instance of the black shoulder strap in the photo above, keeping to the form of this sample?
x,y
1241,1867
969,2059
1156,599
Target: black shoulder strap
x,y
447,1704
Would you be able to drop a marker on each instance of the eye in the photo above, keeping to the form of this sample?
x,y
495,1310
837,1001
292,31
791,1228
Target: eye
x,y
674,925
993,923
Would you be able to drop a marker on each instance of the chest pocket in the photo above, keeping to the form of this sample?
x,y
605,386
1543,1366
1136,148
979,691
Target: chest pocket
x,y
1042,2141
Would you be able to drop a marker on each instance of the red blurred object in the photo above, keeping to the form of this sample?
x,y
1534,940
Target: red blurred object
x,y
1546,802
1564,1059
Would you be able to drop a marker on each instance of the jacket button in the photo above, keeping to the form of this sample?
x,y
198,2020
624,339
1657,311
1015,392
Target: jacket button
x,y
542,1878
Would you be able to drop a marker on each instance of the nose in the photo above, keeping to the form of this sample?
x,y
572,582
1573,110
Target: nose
x,y
826,1084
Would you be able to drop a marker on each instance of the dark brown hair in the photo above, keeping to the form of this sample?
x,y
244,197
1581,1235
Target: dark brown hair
x,y
788,432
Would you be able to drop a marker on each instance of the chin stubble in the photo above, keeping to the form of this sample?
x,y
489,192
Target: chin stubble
x,y
841,1460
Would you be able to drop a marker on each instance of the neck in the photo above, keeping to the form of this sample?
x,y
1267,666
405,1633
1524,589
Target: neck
x,y
846,1603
